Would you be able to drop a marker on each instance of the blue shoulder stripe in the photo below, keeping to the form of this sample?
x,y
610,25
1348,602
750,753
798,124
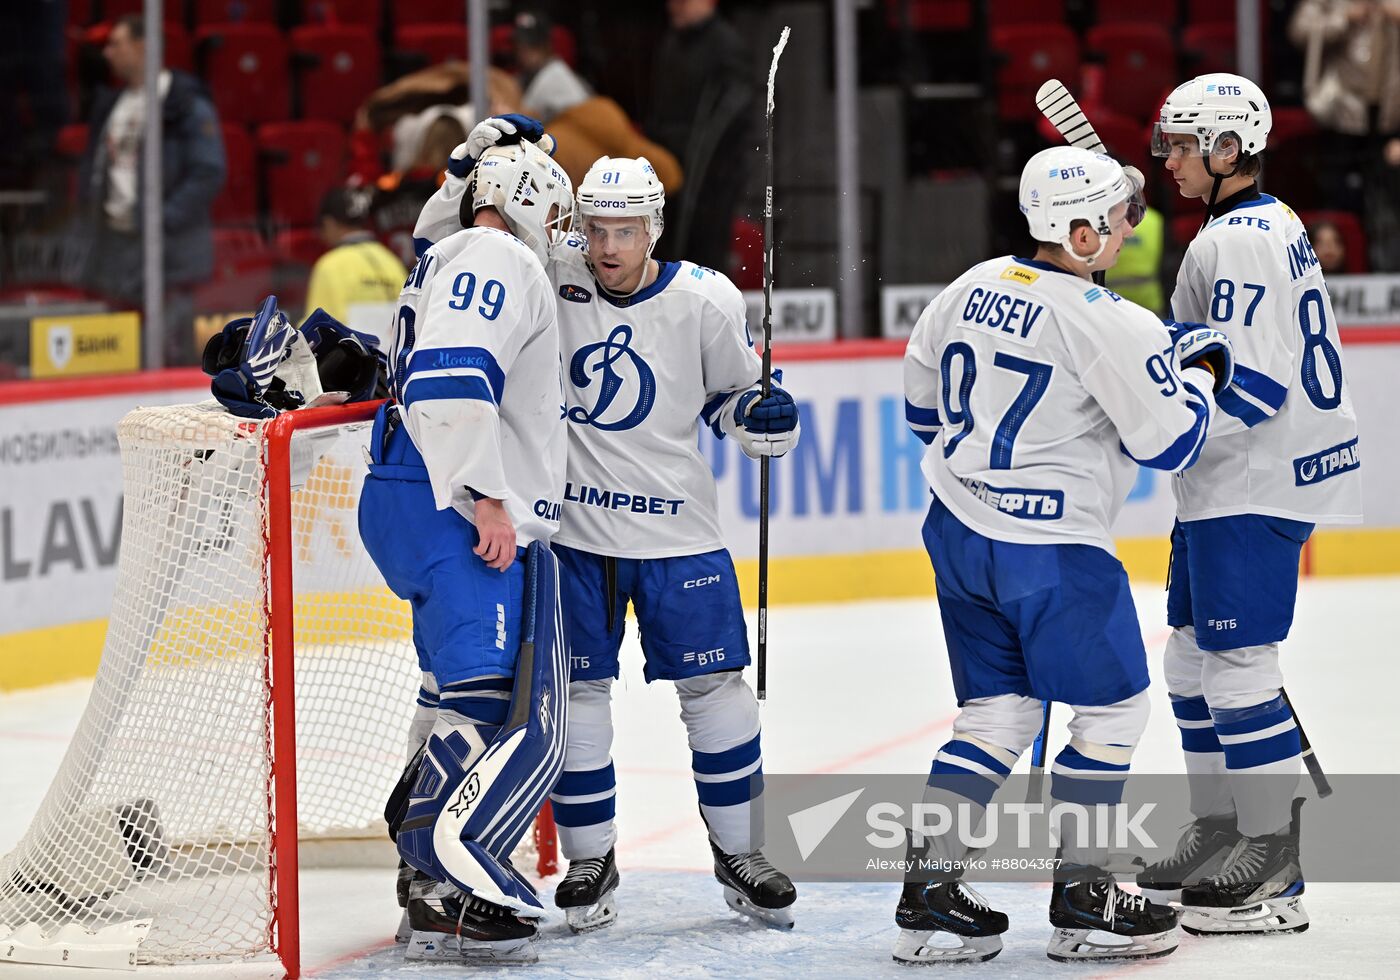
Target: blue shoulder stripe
x,y
1259,386
1231,402
456,386
915,415
450,358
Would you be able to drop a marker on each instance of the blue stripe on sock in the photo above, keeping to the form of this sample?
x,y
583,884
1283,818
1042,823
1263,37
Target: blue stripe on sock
x,y
1074,759
585,814
1199,740
731,792
719,763
1191,709
586,782
1087,792
974,786
1275,748
966,750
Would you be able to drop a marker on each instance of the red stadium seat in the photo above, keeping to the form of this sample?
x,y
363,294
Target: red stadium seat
x,y
112,9
1160,12
300,246
431,12
232,11
1139,64
1030,54
339,68
435,42
1210,11
244,272
1350,227
237,203
1185,226
1209,47
1016,13
81,13
179,49
1291,122
930,15
72,140
747,253
301,161
245,66
366,13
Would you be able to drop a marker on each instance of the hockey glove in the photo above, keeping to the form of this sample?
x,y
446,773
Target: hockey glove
x,y
346,360
497,131
261,365
766,426
1178,327
1209,349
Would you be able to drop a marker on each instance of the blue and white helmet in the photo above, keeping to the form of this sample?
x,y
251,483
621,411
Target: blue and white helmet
x,y
1065,184
1223,111
533,194
619,187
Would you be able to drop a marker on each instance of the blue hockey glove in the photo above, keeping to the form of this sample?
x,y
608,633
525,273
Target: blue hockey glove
x,y
766,426
495,131
1209,349
346,360
1178,327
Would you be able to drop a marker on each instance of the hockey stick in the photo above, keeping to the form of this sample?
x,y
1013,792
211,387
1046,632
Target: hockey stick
x,y
1319,778
1037,777
1057,105
766,380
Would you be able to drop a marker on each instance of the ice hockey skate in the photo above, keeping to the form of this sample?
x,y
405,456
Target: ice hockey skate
x,y
946,922
755,888
588,893
450,925
1094,919
1260,889
1201,852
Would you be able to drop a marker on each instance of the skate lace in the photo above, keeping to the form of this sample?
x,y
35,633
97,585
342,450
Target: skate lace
x,y
1247,863
588,869
1115,898
1187,847
973,897
753,867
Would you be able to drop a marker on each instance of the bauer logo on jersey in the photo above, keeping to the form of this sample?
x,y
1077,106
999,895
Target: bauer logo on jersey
x,y
1308,470
1028,505
1017,274
626,389
574,294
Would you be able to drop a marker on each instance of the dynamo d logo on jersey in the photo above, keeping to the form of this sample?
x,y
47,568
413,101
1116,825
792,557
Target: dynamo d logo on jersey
x,y
626,385
1308,470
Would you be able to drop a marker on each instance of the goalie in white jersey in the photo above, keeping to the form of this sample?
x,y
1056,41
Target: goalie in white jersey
x,y
460,503
1038,393
1282,458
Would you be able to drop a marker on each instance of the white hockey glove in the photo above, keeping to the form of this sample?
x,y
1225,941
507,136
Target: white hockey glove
x,y
765,426
504,130
1208,349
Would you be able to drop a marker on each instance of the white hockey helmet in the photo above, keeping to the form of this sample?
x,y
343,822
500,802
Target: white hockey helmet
x,y
525,186
618,187
1223,111
1065,184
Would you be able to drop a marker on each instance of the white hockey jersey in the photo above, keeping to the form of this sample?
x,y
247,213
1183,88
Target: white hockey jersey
x,y
1035,391
1285,442
475,363
640,376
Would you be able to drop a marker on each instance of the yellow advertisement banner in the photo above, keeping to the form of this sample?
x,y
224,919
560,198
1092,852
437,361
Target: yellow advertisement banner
x,y
90,343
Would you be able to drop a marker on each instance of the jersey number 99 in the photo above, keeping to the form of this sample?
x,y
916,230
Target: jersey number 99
x,y
493,295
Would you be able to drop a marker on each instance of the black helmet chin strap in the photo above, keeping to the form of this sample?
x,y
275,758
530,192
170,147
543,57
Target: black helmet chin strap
x,y
1219,178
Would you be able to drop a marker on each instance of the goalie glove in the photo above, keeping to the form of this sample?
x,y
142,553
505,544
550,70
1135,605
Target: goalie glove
x,y
261,365
504,130
765,426
1207,349
346,360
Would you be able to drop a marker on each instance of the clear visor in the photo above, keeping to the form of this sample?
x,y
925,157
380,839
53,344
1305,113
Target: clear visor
x,y
1137,203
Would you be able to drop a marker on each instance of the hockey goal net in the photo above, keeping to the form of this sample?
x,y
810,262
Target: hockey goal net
x,y
255,692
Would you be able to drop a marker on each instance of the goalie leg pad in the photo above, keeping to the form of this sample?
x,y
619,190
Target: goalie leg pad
x,y
471,808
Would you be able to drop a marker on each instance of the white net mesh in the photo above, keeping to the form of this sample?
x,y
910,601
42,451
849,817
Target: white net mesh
x,y
161,809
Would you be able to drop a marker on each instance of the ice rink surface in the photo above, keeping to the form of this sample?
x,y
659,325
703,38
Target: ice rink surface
x,y
859,687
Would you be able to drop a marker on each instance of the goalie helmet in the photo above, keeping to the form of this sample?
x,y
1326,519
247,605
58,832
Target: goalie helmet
x,y
526,187
618,187
1215,108
1065,184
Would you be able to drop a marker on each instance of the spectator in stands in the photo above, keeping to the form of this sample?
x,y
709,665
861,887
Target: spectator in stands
x,y
401,194
110,188
1137,275
1329,246
551,86
1351,84
701,101
358,280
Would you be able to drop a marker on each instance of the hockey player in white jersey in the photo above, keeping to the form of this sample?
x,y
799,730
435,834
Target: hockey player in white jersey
x,y
1281,459
461,500
651,351
1038,393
